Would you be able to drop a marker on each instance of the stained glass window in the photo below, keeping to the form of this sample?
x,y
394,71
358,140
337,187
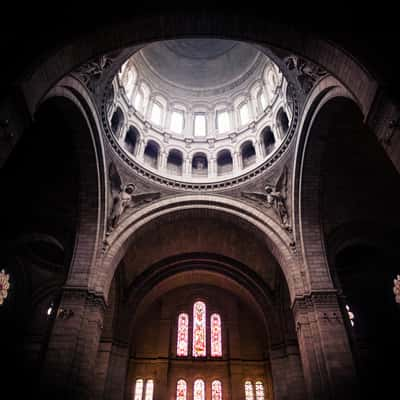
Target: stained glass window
x,y
259,390
138,389
248,390
181,390
149,390
198,390
199,329
183,333
216,341
350,314
216,390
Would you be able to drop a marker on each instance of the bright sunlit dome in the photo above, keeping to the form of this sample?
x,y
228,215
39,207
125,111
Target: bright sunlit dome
x,y
200,109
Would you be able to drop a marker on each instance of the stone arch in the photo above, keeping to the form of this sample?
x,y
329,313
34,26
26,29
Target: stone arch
x,y
282,122
247,153
117,122
132,139
268,140
199,165
224,162
276,239
208,269
175,162
329,99
152,154
74,101
136,31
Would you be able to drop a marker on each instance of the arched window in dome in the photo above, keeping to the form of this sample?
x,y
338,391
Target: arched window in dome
x,y
117,122
198,390
248,390
223,124
260,391
128,82
156,114
282,122
199,329
199,165
248,153
151,154
122,70
175,162
216,390
268,140
262,100
138,389
131,140
138,103
216,335
244,115
200,125
181,390
224,162
177,122
183,335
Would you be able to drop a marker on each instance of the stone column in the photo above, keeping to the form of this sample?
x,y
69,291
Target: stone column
x,y
237,165
162,164
287,374
189,125
252,112
140,149
232,119
254,106
167,119
116,372
327,360
212,167
68,369
257,148
101,368
187,167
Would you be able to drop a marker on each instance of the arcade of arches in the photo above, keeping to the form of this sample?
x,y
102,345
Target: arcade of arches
x,y
200,219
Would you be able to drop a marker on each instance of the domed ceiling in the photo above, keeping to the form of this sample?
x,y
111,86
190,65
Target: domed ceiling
x,y
201,111
199,63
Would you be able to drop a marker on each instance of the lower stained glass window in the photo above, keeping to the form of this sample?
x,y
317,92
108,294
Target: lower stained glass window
x,y
216,390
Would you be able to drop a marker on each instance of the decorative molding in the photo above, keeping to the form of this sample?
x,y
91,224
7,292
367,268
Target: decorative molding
x,y
202,186
275,197
307,73
123,197
315,298
91,72
80,294
64,313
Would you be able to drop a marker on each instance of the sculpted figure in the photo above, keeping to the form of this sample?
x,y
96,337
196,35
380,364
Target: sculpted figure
x,y
275,197
123,197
